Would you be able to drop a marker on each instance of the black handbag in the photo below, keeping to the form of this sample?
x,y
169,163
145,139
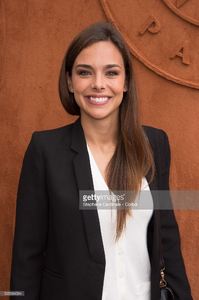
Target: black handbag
x,y
166,292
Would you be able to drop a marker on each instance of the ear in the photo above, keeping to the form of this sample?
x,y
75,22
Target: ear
x,y
125,87
69,82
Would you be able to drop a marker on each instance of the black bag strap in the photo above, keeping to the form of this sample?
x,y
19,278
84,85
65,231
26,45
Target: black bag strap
x,y
163,282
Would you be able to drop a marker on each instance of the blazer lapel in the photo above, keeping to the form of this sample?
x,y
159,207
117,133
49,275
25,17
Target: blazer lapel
x,y
83,176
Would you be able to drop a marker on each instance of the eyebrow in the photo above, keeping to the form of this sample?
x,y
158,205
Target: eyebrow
x,y
109,66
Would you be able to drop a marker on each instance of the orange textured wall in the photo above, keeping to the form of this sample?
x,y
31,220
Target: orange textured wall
x,y
33,39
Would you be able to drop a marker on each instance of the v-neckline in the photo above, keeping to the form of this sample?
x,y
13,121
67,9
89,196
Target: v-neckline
x,y
96,166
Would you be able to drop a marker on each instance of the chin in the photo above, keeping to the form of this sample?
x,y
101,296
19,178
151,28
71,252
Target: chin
x,y
101,116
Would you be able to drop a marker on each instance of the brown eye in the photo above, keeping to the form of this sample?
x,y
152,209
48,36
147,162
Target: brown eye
x,y
83,73
112,73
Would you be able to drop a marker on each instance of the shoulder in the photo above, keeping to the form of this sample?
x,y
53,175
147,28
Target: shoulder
x,y
54,131
154,133
53,136
159,143
50,141
157,137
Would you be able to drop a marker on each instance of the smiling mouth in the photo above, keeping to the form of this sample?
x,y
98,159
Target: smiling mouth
x,y
98,100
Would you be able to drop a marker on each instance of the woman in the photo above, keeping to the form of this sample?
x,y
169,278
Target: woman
x,y
63,252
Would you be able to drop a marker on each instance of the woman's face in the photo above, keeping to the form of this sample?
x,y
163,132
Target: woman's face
x,y
98,80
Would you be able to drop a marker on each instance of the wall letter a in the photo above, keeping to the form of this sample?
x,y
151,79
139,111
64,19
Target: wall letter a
x,y
183,51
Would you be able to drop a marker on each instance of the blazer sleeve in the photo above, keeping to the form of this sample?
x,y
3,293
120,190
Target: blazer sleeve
x,y
31,224
169,231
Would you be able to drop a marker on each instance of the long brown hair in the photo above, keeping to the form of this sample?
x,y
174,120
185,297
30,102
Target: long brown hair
x,y
132,158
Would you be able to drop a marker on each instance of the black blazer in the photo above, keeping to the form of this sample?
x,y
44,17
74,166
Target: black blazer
x,y
58,251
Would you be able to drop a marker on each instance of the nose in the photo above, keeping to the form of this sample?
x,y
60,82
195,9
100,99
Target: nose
x,y
98,83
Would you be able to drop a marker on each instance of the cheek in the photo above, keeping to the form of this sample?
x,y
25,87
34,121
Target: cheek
x,y
118,87
78,90
79,85
118,84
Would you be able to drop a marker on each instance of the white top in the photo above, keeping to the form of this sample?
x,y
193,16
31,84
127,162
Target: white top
x,y
127,270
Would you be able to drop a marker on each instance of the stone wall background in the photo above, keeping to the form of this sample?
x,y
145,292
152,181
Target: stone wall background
x,y
33,38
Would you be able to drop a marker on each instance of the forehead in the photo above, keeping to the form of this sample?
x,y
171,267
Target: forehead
x,y
103,52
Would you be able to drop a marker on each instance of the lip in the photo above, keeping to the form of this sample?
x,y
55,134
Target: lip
x,y
98,99
98,95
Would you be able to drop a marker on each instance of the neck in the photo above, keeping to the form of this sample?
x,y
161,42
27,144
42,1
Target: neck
x,y
101,132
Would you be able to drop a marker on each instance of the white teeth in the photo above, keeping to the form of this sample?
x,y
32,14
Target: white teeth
x,y
98,99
